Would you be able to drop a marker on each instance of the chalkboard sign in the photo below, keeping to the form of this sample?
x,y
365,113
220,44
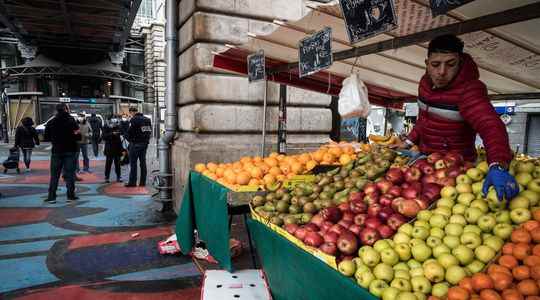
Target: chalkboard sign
x,y
366,18
256,66
441,7
315,52
353,130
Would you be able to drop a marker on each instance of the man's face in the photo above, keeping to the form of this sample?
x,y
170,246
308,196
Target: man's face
x,y
442,68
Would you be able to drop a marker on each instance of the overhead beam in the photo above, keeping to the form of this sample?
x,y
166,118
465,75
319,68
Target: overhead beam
x,y
7,21
511,16
126,28
522,96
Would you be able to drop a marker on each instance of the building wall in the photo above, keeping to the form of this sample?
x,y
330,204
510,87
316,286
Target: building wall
x,y
220,113
516,131
154,45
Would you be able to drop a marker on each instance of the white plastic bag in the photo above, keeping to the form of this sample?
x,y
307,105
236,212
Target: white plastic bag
x,y
353,98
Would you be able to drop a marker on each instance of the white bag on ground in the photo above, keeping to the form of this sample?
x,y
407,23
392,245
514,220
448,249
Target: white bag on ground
x,y
353,98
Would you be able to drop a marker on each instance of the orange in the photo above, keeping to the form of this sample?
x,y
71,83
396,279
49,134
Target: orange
x,y
229,176
501,280
535,234
253,181
243,178
536,250
528,287
297,168
329,158
511,294
281,177
220,172
317,155
256,172
264,167
530,225
304,158
536,214
200,168
508,261
310,165
532,298
345,159
482,281
273,154
489,294
274,171
466,283
508,248
522,250
336,151
532,260
280,157
494,268
520,235
535,272
211,166
348,150
269,179
271,161
257,159
285,168
457,293
521,272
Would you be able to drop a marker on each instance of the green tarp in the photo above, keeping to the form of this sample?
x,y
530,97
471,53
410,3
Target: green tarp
x,y
294,274
204,206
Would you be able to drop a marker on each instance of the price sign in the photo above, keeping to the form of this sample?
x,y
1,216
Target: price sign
x,y
315,52
256,66
441,7
366,18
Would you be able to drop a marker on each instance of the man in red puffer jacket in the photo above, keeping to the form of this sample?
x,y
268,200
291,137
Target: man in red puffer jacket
x,y
454,107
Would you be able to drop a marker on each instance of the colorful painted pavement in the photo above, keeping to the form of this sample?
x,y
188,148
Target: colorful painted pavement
x,y
101,247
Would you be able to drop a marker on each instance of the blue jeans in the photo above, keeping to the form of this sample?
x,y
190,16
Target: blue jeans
x,y
62,162
137,152
27,157
86,160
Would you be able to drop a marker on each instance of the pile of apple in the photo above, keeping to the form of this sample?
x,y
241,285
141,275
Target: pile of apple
x,y
456,239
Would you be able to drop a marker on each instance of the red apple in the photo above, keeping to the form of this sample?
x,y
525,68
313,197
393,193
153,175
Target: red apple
x,y
329,248
429,179
422,202
301,233
386,199
347,243
433,157
441,173
373,222
356,196
312,227
371,198
345,224
325,226
385,213
385,231
356,229
431,191
419,163
455,159
374,209
370,188
427,169
395,191
384,185
408,208
454,172
448,181
291,228
360,219
343,257
410,192
332,214
343,207
330,237
369,236
412,174
404,186
394,175
317,220
337,229
348,216
397,202
357,207
468,164
395,221
313,239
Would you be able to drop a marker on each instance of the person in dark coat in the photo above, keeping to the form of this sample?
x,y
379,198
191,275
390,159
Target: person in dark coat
x,y
95,124
26,139
138,136
124,125
113,148
63,132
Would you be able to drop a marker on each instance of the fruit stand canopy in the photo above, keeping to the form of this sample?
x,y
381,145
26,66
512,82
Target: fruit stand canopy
x,y
508,56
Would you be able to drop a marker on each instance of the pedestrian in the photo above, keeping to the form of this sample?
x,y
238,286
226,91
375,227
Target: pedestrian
x,y
26,139
63,132
124,125
96,126
86,133
113,148
138,136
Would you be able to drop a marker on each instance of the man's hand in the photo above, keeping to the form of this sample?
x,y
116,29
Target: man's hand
x,y
505,184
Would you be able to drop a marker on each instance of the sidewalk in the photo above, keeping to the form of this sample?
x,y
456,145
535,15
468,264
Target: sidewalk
x,y
101,247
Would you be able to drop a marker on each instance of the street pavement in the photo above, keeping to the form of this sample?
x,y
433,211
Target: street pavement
x,y
103,246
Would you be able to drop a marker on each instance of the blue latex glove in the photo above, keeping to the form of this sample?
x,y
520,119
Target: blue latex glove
x,y
505,184
413,155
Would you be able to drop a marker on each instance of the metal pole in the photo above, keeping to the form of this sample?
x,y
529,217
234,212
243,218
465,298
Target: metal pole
x,y
282,122
263,145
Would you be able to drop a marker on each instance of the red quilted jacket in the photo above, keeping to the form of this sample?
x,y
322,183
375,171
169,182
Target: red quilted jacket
x,y
449,118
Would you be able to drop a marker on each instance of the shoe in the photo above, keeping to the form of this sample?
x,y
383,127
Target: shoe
x,y
77,178
130,185
71,199
107,180
142,184
119,180
50,201
27,170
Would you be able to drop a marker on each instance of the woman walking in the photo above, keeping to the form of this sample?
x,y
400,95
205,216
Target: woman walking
x,y
113,148
26,139
86,133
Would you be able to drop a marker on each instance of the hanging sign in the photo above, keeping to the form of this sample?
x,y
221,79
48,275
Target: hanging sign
x,y
441,7
315,52
256,66
366,18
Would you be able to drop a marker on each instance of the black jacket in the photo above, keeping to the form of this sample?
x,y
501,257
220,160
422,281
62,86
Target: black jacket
x,y
113,143
26,137
62,132
140,129
95,124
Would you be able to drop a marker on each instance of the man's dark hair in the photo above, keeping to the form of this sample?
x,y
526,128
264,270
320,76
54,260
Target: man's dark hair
x,y
133,109
447,43
60,107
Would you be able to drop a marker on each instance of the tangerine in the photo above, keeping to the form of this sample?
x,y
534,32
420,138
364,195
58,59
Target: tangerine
x,y
297,168
530,225
345,159
310,165
502,280
211,166
489,294
511,294
336,151
269,179
508,248
271,161
536,214
528,287
521,251
520,235
521,272
532,260
457,293
535,272
536,250
329,158
200,167
256,173
494,268
481,281
535,234
508,261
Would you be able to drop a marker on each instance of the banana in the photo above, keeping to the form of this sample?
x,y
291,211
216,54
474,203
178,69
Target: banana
x,y
379,138
390,141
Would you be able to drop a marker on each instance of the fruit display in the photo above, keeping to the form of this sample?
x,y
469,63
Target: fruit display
x,y
384,140
513,275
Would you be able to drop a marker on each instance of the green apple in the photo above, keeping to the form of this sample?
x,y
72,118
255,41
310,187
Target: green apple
x,y
483,166
390,242
413,264
519,202
424,215
439,250
463,188
443,210
363,249
384,272
534,197
390,293
472,228
364,279
523,178
420,296
347,268
503,216
446,260
475,174
438,221
440,290
380,245
370,257
451,241
406,229
454,274
496,206
448,202
448,192
486,235
487,222
494,242
503,230
492,195
429,261
421,252
437,232
407,296
466,198
421,223
472,214
520,215
402,274
471,240
403,250
401,284
475,266
401,266
389,256
416,272
458,219
360,269
414,242
420,232
480,204
525,166
401,237
358,262
433,241
459,209
377,286
453,229
464,254
484,253
421,284
477,187
434,272
463,178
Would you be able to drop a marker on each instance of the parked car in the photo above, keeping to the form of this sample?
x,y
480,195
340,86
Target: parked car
x,y
40,129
